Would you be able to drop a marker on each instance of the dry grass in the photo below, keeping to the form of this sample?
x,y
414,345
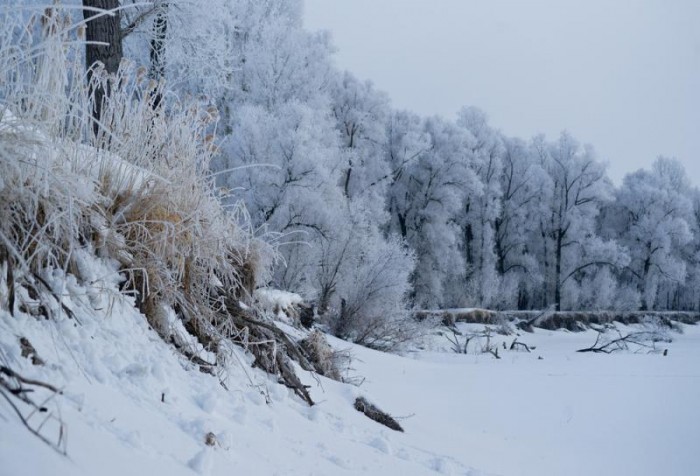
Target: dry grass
x,y
325,360
138,190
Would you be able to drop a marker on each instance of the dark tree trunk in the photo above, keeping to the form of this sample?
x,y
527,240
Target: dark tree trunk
x,y
557,270
523,300
500,254
468,237
160,28
643,283
545,255
402,224
103,29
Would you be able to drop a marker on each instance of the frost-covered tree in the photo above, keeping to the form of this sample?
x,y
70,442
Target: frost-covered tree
x,y
189,43
285,169
103,34
524,186
430,176
103,45
361,114
304,149
373,280
482,206
656,212
276,60
570,249
689,294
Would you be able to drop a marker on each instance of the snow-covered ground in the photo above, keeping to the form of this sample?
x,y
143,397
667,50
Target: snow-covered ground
x,y
565,414
133,405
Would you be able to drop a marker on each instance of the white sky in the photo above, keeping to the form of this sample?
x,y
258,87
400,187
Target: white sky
x,y
623,75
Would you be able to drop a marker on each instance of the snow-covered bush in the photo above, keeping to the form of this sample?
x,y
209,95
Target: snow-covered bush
x,y
370,295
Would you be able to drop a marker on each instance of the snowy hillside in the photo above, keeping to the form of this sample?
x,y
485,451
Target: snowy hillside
x,y
131,404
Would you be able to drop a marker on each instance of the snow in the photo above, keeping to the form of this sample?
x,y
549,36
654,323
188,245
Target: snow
x,y
277,303
568,413
133,405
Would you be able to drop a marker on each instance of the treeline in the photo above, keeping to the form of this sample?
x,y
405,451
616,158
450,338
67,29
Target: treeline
x,y
375,210
487,219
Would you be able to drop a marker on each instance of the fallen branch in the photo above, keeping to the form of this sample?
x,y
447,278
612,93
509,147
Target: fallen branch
x,y
290,346
457,346
463,347
17,386
374,413
528,325
269,356
11,373
519,345
621,343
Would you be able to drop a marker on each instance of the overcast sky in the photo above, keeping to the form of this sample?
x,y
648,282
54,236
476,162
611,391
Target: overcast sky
x,y
623,75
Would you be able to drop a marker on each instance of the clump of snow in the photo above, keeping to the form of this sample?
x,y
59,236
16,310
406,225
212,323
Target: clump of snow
x,y
381,444
279,304
201,463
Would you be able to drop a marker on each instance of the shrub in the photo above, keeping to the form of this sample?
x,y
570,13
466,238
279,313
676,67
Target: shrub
x,y
372,292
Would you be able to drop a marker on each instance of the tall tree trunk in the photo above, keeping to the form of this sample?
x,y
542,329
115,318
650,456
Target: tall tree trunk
x,y
643,283
468,233
104,29
402,224
547,279
557,270
500,254
160,28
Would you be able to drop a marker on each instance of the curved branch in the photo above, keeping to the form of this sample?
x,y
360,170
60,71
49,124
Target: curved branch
x,y
587,265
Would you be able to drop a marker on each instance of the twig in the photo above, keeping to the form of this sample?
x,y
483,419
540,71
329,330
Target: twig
x,y
20,393
11,373
68,311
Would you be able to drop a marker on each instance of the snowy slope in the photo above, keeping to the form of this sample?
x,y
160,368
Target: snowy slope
x,y
114,371
132,405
